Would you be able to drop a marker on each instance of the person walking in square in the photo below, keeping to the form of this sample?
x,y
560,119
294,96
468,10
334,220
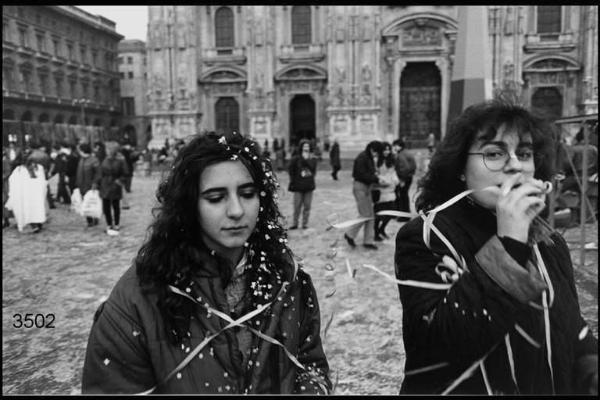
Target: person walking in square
x,y
365,176
334,159
88,175
27,193
113,171
302,170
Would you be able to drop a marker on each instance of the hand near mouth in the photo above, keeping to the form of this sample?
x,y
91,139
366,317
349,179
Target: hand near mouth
x,y
519,202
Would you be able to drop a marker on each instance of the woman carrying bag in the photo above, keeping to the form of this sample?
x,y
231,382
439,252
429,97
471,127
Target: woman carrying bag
x,y
87,178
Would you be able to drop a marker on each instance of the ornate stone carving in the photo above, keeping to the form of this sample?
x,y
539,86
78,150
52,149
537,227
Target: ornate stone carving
x,y
340,98
340,31
509,21
259,32
508,69
366,73
366,96
181,36
422,36
340,73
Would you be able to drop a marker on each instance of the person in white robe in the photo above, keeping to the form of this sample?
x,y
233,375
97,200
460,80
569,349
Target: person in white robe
x,y
27,195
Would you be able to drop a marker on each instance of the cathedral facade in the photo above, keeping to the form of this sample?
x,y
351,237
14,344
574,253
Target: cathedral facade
x,y
358,73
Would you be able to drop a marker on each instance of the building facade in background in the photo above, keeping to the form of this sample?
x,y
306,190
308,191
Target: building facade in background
x,y
355,72
132,72
59,73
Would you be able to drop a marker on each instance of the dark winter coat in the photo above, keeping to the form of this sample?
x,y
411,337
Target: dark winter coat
x,y
334,155
302,174
460,325
405,165
363,169
113,170
129,352
88,173
131,157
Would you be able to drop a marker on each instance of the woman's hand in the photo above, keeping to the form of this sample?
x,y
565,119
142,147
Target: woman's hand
x,y
518,205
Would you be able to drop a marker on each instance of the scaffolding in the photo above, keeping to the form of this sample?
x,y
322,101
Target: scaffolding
x,y
587,123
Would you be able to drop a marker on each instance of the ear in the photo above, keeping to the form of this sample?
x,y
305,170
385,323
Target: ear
x,y
462,177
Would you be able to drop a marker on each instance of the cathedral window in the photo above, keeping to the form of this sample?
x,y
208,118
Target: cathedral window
x,y
548,19
224,27
301,25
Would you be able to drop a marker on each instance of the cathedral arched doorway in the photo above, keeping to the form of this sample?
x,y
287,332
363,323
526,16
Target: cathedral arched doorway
x,y
130,135
227,114
548,102
420,104
302,118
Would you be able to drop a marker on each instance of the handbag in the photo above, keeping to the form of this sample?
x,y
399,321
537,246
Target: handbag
x,y
92,204
76,201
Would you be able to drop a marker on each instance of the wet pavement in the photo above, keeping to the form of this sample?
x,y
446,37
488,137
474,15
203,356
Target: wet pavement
x,y
67,270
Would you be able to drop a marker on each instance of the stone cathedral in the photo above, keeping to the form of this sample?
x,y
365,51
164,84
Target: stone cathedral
x,y
358,73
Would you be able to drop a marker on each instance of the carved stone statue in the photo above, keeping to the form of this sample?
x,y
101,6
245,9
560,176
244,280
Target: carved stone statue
x,y
366,73
509,21
341,73
181,36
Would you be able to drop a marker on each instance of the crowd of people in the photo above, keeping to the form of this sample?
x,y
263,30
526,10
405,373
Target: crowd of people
x,y
106,167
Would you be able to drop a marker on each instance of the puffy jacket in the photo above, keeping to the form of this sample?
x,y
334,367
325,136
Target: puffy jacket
x,y
128,350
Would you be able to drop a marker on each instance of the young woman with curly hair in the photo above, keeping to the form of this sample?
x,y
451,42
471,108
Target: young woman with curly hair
x,y
215,302
497,310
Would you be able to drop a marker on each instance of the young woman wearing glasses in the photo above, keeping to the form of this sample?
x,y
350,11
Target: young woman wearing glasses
x,y
497,309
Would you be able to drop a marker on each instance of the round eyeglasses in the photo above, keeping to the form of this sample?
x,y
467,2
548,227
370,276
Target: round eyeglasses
x,y
496,160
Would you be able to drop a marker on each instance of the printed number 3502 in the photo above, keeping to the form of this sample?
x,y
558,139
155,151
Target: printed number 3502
x,y
33,320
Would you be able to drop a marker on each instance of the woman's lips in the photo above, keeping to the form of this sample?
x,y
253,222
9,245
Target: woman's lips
x,y
235,229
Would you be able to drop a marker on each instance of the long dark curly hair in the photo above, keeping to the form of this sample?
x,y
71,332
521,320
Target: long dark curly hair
x,y
442,180
172,250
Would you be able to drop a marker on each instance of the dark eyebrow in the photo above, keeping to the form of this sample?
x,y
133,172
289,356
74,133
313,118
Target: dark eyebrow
x,y
222,189
503,145
497,143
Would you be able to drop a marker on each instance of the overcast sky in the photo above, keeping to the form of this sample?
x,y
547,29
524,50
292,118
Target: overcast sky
x,y
131,20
